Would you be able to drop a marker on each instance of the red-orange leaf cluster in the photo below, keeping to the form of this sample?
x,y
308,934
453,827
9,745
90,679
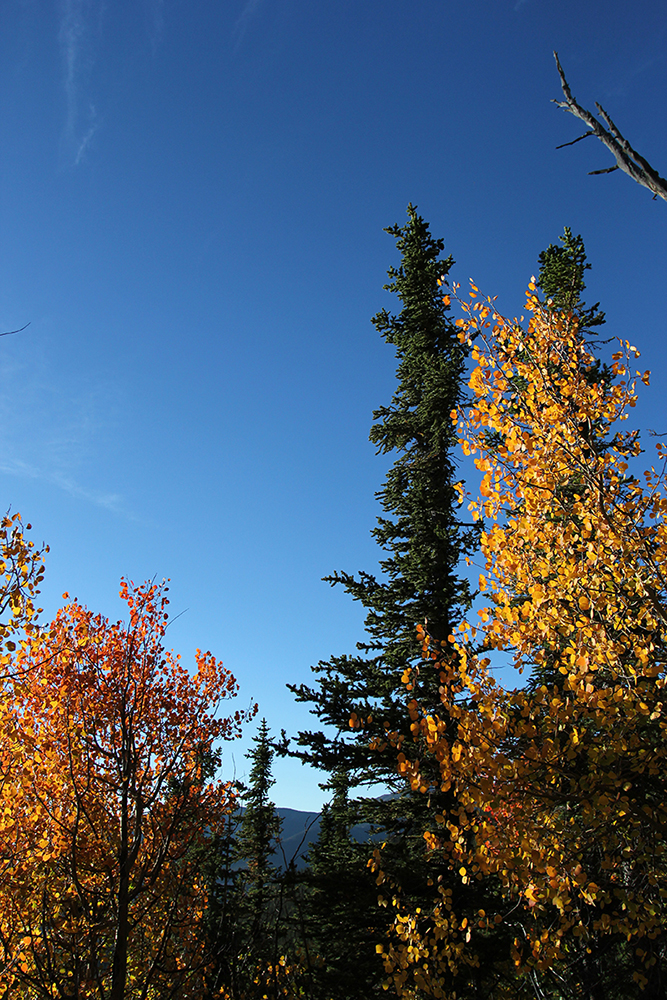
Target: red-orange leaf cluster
x,y
109,795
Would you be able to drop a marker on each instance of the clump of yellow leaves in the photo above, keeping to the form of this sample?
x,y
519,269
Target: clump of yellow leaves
x,y
559,787
21,573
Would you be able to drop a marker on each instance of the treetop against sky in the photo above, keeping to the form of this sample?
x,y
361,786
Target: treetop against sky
x,y
193,201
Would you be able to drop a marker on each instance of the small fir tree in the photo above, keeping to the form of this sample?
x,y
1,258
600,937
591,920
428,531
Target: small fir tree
x,y
251,905
259,834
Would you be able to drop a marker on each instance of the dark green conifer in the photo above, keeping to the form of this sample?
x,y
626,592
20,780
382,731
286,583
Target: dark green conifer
x,y
601,967
258,835
561,279
421,536
423,542
247,917
341,905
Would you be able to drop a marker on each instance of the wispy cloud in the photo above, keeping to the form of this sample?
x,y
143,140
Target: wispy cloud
x,y
243,20
79,36
23,470
78,19
55,425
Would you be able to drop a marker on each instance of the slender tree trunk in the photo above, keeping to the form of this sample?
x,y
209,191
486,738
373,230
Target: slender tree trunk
x,y
119,970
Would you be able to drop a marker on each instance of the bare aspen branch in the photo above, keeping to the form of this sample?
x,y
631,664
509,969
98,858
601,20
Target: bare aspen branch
x,y
627,158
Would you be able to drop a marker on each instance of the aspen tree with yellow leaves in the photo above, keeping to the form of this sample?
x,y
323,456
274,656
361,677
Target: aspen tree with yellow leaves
x,y
560,785
110,798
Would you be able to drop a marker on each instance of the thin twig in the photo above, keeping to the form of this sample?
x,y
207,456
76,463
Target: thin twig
x,y
8,333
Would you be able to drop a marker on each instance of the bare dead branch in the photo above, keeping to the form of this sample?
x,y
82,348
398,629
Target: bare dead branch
x,y
627,158
8,333
578,139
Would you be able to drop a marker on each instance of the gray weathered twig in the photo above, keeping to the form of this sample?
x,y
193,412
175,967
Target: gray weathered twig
x,y
627,158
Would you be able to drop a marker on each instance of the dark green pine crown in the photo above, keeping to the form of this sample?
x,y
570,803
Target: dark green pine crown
x,y
420,535
561,279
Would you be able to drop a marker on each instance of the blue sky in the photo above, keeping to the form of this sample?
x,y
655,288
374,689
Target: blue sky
x,y
192,199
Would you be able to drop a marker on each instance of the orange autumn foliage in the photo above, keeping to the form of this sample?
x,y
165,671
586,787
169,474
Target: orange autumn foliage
x,y
109,799
559,787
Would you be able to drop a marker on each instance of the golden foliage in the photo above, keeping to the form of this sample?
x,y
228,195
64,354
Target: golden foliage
x,y
21,572
559,786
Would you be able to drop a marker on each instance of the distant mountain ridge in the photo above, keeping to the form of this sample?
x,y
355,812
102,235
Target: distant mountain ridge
x,y
299,830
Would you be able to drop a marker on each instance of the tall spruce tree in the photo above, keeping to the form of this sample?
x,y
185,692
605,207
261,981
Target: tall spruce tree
x,y
561,281
421,536
603,966
359,698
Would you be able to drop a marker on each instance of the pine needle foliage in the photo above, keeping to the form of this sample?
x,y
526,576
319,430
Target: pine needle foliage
x,y
359,697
